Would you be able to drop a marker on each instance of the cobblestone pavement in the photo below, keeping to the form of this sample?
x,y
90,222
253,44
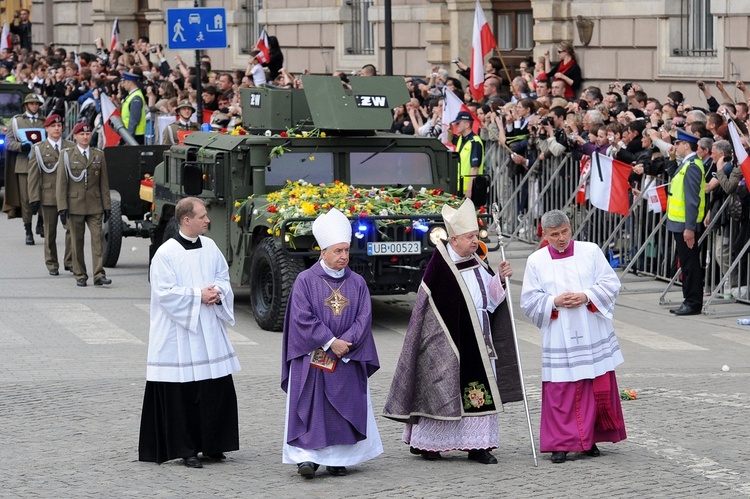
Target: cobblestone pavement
x,y
72,366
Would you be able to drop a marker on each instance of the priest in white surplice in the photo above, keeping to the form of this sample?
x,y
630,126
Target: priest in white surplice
x,y
569,292
190,405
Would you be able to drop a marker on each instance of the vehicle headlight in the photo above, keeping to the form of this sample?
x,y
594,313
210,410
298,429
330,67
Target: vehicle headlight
x,y
438,234
483,234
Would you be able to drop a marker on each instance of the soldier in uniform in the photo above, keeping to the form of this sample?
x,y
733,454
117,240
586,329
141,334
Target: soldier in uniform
x,y
42,190
24,131
176,131
83,198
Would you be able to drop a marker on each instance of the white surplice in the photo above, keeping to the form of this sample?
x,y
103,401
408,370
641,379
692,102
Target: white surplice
x,y
188,340
578,344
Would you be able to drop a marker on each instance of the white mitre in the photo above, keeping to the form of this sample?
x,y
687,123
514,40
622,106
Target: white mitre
x,y
462,220
332,228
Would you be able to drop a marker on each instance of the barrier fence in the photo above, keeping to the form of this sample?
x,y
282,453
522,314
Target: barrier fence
x,y
638,245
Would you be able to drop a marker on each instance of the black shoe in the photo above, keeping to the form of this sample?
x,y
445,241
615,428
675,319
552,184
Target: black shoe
x,y
307,469
69,269
482,456
336,470
217,457
685,310
431,456
192,462
559,457
30,239
415,451
102,280
593,451
40,231
54,272
81,282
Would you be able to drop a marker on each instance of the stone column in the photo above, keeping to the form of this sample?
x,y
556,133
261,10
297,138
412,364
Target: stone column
x,y
552,24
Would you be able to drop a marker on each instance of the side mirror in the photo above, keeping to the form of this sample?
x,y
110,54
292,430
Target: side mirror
x,y
192,179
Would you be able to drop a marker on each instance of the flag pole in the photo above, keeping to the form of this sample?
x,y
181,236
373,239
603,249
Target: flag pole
x,y
509,302
502,61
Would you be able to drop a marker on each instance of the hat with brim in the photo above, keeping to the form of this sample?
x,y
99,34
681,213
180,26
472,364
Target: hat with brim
x,y
462,116
185,103
7,65
127,75
33,98
684,136
332,228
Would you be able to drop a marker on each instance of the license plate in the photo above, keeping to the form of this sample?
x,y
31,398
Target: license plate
x,y
394,248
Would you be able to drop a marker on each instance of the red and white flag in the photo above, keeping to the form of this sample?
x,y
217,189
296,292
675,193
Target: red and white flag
x,y
452,105
739,151
584,169
482,43
608,184
115,35
657,198
5,43
265,51
111,138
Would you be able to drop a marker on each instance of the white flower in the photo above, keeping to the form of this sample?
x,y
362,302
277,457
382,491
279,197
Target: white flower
x,y
411,187
268,133
255,212
423,190
383,212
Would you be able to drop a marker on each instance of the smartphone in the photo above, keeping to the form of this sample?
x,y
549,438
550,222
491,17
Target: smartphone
x,y
454,61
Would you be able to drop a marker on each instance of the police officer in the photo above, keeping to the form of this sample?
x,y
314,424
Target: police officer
x,y
24,131
42,190
470,151
686,208
83,200
176,131
133,107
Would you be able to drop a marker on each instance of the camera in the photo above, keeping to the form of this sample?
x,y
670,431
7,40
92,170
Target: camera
x,y
130,42
546,121
454,61
154,48
435,75
702,86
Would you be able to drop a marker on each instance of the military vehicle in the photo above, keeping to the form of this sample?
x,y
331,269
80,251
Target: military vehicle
x,y
11,104
323,134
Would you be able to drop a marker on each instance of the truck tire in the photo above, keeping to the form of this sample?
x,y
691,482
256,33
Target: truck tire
x,y
112,231
272,274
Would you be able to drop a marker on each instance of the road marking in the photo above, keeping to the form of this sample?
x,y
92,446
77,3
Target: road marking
x,y
234,337
650,339
741,338
88,325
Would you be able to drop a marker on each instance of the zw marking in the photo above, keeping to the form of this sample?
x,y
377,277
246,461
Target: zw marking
x,y
378,101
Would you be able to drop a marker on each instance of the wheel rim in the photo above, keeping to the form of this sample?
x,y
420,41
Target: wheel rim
x,y
264,287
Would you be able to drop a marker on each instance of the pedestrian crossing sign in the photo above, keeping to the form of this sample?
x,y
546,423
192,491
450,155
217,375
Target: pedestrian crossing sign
x,y
197,28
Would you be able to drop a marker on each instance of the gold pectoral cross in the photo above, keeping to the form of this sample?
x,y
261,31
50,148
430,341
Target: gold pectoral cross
x,y
336,302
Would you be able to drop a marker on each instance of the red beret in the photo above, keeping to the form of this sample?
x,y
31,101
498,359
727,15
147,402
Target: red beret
x,y
82,127
52,119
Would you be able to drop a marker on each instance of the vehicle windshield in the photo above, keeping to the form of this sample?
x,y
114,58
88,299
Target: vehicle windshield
x,y
388,168
312,167
10,104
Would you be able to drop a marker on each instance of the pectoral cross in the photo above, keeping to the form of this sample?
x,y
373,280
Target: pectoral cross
x,y
577,338
336,302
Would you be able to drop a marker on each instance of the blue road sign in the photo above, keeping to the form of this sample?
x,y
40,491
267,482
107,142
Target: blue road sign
x,y
196,29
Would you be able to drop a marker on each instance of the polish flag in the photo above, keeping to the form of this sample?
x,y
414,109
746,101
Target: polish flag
x,y
739,151
452,105
5,42
482,43
608,184
657,198
115,36
265,52
584,169
111,138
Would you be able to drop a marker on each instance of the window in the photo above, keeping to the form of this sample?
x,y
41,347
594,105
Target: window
x,y
381,169
252,30
312,167
361,40
513,29
696,30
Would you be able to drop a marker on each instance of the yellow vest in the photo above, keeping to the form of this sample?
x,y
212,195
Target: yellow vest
x,y
464,155
676,203
140,129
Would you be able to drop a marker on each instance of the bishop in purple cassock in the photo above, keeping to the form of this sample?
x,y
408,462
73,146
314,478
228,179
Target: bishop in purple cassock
x,y
328,354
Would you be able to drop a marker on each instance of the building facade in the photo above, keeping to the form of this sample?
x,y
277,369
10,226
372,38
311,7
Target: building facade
x,y
662,44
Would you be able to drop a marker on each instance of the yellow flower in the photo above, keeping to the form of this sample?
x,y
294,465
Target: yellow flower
x,y
238,218
305,134
278,232
269,220
237,204
308,208
269,231
299,135
323,134
312,158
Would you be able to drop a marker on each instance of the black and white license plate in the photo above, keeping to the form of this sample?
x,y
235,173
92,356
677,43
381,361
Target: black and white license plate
x,y
393,248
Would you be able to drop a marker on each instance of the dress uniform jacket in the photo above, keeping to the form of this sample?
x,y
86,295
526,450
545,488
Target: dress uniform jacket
x,y
13,141
82,186
43,181
170,135
17,163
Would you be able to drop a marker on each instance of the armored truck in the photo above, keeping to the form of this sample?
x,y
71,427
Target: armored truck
x,y
306,151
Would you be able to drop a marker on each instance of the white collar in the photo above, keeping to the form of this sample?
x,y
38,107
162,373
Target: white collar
x,y
454,256
53,144
191,239
32,116
83,151
333,273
